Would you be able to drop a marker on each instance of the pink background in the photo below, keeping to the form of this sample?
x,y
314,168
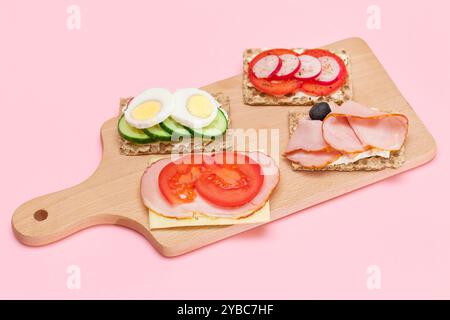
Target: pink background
x,y
59,86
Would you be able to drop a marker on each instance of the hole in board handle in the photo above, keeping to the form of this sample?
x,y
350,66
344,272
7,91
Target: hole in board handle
x,y
40,215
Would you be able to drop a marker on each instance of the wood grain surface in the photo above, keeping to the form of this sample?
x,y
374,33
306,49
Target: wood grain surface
x,y
111,195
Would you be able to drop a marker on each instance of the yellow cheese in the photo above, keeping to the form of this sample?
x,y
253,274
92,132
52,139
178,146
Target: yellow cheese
x,y
159,222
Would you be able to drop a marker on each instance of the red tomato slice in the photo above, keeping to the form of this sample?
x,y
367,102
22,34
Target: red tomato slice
x,y
275,88
177,179
315,88
232,181
270,86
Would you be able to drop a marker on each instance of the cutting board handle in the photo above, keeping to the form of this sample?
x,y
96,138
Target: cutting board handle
x,y
55,216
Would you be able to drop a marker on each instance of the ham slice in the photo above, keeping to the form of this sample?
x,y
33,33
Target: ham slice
x,y
355,128
307,146
154,200
307,137
313,159
338,133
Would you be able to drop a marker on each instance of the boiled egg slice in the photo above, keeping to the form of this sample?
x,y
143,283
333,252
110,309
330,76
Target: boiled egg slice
x,y
149,108
194,108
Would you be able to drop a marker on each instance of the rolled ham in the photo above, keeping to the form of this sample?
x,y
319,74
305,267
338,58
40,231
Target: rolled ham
x,y
307,136
155,200
313,159
355,128
339,134
307,146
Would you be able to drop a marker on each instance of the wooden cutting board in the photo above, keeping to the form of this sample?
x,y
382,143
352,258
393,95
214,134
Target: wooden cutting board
x,y
111,194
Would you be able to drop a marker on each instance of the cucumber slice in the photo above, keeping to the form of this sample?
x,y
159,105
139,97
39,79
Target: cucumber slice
x,y
215,128
132,134
157,133
173,127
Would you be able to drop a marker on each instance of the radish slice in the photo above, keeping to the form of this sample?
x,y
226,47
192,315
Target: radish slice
x,y
330,70
267,66
289,65
310,67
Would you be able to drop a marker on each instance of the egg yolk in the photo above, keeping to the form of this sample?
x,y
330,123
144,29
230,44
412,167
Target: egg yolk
x,y
146,110
200,106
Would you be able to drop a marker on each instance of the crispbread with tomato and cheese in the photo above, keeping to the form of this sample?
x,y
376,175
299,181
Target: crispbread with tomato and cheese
x,y
350,137
296,77
209,189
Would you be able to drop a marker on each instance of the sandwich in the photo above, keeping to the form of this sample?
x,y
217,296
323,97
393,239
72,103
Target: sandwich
x,y
351,137
204,189
159,122
296,77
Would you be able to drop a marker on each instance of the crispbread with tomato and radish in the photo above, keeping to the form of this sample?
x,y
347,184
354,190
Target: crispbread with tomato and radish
x,y
296,77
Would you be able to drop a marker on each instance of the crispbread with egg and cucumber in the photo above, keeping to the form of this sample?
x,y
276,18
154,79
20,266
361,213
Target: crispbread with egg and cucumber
x,y
296,77
159,122
351,137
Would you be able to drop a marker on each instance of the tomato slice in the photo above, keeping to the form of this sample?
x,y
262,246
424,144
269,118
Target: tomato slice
x,y
315,88
177,179
227,179
275,88
270,86
233,180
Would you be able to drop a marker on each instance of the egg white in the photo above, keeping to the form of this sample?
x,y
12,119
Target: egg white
x,y
182,115
164,96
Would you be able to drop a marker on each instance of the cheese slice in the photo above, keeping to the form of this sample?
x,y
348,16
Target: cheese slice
x,y
344,159
159,222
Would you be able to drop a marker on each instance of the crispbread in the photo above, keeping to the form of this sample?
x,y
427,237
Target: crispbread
x,y
396,159
254,97
166,147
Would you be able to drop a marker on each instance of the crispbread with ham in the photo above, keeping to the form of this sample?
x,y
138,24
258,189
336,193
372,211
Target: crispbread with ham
x,y
253,96
314,154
